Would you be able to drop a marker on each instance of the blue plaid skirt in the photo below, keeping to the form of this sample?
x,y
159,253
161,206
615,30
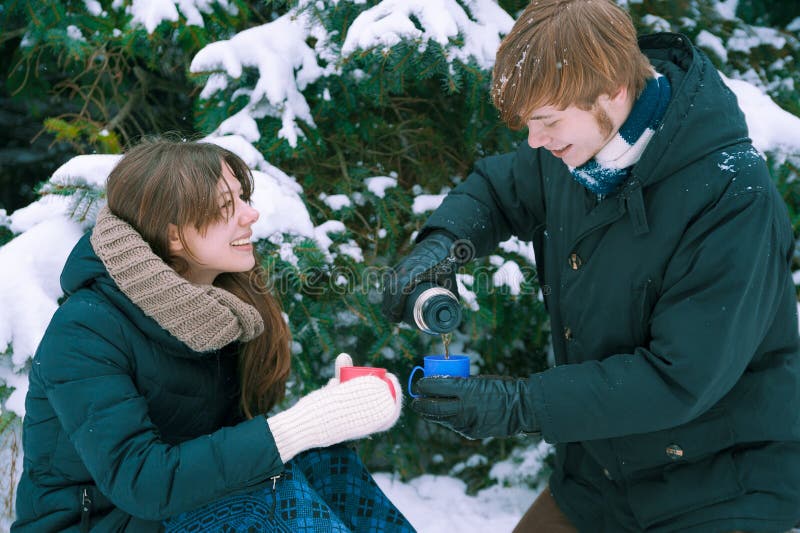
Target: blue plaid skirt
x,y
322,490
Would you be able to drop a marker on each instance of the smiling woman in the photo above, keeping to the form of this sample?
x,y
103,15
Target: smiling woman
x,y
222,245
194,228
149,391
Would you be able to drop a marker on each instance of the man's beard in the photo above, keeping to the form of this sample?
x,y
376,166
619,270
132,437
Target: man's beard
x,y
603,121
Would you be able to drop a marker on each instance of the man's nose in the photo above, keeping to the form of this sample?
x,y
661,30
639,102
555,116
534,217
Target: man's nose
x,y
536,138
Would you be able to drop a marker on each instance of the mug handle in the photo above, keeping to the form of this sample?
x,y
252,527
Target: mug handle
x,y
410,377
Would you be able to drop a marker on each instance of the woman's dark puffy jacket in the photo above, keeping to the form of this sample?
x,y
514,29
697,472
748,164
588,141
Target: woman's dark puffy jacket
x,y
125,425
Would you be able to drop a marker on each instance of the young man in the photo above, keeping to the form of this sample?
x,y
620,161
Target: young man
x,y
663,251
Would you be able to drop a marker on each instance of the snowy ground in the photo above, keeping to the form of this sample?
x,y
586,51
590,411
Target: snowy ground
x,y
439,504
30,264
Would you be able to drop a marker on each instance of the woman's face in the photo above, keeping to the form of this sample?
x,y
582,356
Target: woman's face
x,y
225,244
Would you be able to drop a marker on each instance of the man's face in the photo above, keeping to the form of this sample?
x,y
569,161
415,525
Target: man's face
x,y
573,135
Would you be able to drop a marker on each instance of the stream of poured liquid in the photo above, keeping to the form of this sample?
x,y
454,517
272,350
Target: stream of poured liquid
x,y
446,337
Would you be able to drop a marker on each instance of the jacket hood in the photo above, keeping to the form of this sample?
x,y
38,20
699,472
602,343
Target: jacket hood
x,y
84,269
703,115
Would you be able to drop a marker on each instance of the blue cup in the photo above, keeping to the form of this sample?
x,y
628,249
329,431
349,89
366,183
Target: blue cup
x,y
456,366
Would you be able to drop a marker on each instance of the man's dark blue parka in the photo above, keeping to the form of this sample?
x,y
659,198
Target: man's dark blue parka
x,y
675,399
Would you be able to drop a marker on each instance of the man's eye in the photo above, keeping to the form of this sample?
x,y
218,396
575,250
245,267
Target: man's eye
x,y
551,124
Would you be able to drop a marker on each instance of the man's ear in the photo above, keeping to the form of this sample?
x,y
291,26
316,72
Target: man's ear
x,y
620,97
175,244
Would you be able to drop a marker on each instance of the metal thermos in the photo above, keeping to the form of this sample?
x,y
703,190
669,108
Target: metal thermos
x,y
432,309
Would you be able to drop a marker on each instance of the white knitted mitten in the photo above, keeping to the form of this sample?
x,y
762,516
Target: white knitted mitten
x,y
342,360
335,413
398,404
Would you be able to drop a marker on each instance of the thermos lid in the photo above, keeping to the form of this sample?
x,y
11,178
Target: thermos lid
x,y
437,311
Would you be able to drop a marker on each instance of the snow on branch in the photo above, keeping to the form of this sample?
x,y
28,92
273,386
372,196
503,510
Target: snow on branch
x,y
285,64
442,21
150,13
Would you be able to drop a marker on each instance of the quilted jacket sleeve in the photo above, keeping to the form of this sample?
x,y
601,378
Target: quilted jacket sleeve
x,y
87,378
502,197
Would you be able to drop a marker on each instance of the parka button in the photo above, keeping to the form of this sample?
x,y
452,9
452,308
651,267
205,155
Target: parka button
x,y
568,334
674,452
575,261
607,474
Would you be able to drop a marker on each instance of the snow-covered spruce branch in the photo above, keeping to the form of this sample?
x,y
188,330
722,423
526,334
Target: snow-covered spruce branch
x,y
286,64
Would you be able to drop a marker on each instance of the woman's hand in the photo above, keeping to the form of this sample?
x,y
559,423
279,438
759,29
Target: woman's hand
x,y
342,360
337,412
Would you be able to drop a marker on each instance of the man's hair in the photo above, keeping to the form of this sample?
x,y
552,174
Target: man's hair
x,y
566,52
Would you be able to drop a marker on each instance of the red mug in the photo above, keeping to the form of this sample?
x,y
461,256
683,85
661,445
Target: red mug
x,y
347,373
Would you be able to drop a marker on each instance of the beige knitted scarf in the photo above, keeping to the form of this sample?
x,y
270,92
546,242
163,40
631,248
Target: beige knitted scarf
x,y
203,317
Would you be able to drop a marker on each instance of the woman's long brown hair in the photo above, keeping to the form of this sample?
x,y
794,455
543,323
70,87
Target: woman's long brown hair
x,y
161,182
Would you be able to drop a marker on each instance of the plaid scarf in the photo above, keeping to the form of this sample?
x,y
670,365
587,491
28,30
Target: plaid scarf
x,y
612,164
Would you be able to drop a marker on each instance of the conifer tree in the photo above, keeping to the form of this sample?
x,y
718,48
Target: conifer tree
x,y
373,126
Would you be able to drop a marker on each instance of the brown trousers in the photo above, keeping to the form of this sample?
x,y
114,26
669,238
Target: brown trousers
x,y
544,516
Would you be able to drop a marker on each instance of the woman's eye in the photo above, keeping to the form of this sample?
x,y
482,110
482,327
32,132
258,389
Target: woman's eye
x,y
550,125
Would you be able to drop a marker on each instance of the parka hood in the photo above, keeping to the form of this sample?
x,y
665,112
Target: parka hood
x,y
84,269
703,116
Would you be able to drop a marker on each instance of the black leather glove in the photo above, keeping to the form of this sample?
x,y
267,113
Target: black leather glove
x,y
429,261
478,407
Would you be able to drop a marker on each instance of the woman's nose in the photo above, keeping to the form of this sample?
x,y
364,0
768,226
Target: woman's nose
x,y
249,214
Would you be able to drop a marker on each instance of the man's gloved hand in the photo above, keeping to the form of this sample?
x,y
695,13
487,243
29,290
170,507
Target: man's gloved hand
x,y
478,407
429,261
